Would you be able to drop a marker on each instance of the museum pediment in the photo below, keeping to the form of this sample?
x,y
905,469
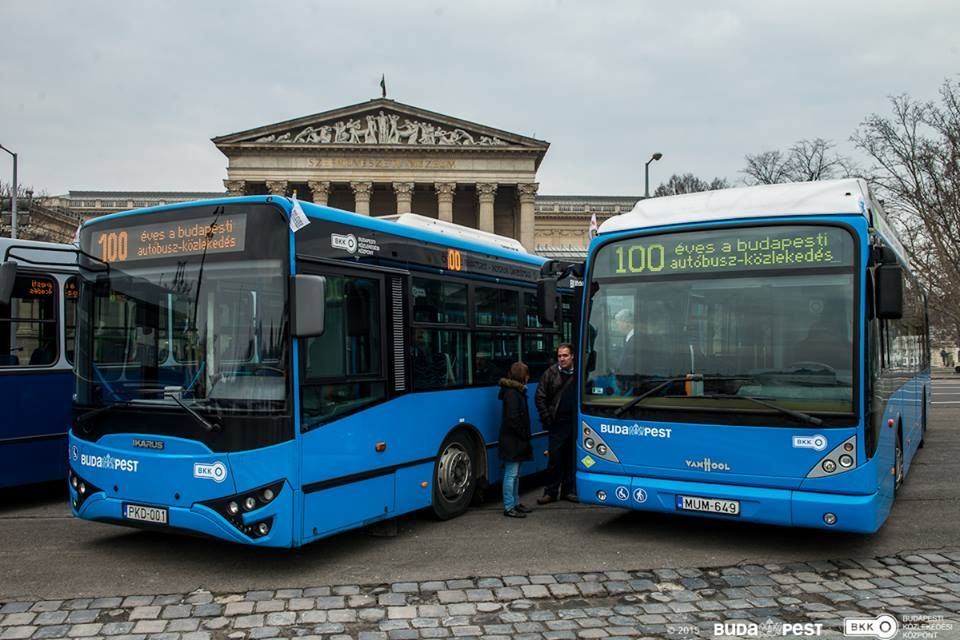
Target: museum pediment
x,y
380,122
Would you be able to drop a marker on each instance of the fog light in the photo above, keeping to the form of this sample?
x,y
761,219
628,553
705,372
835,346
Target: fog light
x,y
268,495
76,504
602,449
830,518
82,489
249,503
848,446
74,481
829,466
588,443
233,508
586,431
263,528
846,461
602,495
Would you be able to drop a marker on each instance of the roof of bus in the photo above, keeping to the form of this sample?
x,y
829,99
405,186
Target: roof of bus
x,y
33,250
823,197
439,234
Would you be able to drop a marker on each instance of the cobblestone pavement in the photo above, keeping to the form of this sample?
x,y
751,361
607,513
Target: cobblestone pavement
x,y
921,589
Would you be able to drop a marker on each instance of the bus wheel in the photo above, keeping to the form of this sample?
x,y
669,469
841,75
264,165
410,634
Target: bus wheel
x,y
898,462
454,480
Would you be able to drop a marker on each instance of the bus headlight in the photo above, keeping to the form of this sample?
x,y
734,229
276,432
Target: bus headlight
x,y
250,503
829,466
846,461
233,508
602,449
588,443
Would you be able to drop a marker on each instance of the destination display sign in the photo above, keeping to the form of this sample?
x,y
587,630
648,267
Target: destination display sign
x,y
742,249
174,239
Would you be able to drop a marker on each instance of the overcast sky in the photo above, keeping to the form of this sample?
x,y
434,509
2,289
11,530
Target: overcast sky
x,y
126,95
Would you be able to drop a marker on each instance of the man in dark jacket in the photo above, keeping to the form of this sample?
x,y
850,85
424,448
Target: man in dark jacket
x,y
556,400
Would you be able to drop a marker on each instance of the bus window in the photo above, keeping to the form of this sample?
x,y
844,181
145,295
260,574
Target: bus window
x,y
493,355
343,368
439,302
539,352
496,307
28,326
439,358
71,293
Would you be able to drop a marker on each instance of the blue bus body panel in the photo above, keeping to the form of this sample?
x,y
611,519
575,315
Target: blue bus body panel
x,y
33,427
169,478
338,451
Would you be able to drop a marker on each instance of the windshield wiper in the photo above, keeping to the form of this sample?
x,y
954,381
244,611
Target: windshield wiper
x,y
84,417
649,392
798,415
206,424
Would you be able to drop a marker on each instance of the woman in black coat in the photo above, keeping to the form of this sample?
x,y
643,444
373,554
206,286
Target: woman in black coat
x,y
514,437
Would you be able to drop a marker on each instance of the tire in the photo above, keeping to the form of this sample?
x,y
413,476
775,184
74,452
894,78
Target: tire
x,y
454,476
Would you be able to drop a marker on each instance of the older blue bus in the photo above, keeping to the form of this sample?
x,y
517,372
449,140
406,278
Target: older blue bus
x,y
37,323
756,354
248,382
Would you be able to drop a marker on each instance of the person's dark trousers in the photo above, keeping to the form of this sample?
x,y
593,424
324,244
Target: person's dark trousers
x,y
560,470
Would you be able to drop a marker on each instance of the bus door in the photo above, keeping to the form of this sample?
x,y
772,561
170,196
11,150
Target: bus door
x,y
348,441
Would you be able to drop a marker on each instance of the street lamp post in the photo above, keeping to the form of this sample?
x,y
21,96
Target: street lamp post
x,y
646,173
13,196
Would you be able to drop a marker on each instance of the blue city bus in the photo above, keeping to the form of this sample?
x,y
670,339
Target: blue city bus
x,y
755,354
244,381
37,324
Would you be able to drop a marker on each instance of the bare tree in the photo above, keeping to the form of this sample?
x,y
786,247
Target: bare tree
x,y
805,161
916,154
688,183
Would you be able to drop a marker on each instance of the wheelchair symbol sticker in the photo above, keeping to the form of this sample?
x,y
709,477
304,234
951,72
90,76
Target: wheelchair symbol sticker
x,y
623,494
640,495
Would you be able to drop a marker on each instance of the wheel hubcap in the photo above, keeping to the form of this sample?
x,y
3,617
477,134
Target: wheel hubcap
x,y
454,472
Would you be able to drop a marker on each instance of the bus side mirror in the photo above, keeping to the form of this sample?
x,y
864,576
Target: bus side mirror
x,y
308,298
889,291
8,275
547,300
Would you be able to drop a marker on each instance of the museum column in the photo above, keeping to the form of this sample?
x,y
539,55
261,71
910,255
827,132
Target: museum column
x,y
321,191
277,187
528,197
361,192
404,191
485,194
445,191
235,187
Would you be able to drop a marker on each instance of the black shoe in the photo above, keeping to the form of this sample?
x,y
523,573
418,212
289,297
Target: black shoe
x,y
513,513
522,508
546,499
571,497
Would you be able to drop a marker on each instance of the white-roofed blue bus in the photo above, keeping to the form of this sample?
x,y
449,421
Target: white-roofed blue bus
x,y
36,359
756,354
248,382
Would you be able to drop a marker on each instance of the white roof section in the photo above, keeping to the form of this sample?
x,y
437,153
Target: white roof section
x,y
456,231
823,197
34,250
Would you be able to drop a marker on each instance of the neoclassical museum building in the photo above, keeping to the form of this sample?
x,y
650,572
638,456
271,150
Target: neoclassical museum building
x,y
379,157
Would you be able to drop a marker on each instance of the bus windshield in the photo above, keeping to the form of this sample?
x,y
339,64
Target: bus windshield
x,y
203,327
711,321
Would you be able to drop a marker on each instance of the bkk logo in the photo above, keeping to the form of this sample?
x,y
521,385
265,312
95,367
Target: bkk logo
x,y
109,462
707,465
216,471
346,242
816,442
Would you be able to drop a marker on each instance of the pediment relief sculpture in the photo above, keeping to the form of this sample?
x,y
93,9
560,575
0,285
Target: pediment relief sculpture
x,y
382,128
